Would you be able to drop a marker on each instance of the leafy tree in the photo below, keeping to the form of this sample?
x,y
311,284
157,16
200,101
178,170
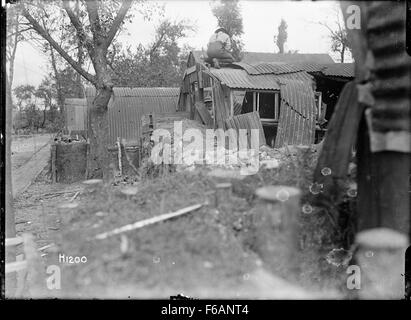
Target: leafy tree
x,y
24,94
281,38
102,21
46,91
160,64
228,16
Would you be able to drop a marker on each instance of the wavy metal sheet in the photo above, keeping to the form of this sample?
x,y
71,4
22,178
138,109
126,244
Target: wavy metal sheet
x,y
296,124
240,79
392,66
128,105
339,70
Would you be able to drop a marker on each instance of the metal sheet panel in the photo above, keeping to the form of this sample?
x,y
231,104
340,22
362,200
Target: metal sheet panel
x,y
392,66
128,105
240,79
345,70
297,114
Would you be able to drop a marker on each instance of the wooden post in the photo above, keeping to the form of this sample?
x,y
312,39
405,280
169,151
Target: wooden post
x,y
383,186
275,220
53,163
120,167
231,103
222,192
87,158
213,102
381,258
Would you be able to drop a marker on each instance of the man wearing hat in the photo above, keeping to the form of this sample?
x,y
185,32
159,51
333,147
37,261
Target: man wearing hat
x,y
219,47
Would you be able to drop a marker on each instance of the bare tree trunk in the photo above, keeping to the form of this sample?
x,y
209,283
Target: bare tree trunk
x,y
9,213
342,53
98,122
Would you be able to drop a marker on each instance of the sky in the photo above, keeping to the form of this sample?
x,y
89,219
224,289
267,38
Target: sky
x,y
260,21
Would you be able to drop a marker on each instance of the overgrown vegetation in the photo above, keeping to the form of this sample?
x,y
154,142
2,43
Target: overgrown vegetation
x,y
208,249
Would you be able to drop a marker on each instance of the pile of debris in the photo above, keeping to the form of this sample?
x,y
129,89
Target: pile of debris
x,y
62,138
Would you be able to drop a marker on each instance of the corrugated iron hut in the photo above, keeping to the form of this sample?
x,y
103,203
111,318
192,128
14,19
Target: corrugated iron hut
x,y
282,94
128,105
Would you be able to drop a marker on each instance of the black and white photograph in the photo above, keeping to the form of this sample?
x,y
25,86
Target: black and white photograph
x,y
230,150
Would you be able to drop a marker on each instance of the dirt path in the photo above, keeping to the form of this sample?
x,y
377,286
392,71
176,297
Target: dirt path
x,y
29,158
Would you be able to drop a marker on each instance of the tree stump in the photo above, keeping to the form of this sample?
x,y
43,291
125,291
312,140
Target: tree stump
x,y
381,258
276,227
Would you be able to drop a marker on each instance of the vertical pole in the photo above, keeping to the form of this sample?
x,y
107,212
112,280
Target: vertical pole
x,y
383,185
212,100
53,163
231,103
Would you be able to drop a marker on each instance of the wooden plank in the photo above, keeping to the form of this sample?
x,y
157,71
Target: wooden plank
x,y
15,266
13,241
231,102
150,221
53,163
341,135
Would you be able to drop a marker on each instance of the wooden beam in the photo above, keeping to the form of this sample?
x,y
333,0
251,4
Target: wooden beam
x,y
150,221
383,187
230,96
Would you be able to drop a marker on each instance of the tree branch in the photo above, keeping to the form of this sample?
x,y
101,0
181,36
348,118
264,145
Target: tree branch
x,y
79,28
94,19
41,31
125,6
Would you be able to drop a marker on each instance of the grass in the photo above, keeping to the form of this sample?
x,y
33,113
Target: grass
x,y
206,252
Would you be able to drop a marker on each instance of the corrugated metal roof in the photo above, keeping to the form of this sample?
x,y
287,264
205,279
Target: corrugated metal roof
x,y
339,70
268,68
255,57
332,69
301,75
139,92
240,79
252,57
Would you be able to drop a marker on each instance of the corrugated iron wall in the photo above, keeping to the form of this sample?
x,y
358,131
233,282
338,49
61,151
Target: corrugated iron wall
x,y
296,124
128,105
247,121
392,66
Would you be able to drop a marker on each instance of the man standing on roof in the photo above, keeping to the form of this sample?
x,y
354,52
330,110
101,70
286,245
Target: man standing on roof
x,y
219,48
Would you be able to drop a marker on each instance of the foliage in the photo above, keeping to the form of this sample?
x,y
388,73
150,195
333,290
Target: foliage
x,y
281,38
37,107
229,17
160,64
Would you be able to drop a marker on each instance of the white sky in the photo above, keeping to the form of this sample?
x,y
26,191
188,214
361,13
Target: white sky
x,y
260,20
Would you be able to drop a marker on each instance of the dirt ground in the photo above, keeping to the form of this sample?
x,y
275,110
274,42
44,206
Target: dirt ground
x,y
211,252
24,147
